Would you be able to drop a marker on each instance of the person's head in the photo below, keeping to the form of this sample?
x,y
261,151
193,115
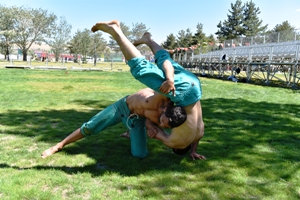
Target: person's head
x,y
172,117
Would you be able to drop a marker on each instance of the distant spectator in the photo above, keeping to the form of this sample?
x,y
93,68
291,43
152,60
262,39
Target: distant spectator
x,y
224,57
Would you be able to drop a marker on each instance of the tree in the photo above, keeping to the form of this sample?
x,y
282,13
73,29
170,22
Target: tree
x,y
98,45
233,26
170,42
6,30
185,38
137,31
284,26
86,43
284,32
81,43
60,37
199,36
221,33
251,23
32,25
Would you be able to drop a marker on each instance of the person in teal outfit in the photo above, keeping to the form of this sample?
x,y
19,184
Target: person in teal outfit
x,y
168,78
135,111
187,86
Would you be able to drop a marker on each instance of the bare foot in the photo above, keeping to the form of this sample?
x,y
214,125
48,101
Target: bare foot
x,y
125,135
108,27
143,40
51,151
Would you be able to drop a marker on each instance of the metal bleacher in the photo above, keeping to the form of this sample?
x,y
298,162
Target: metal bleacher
x,y
269,63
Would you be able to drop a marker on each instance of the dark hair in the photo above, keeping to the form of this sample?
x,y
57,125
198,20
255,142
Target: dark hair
x,y
182,151
176,115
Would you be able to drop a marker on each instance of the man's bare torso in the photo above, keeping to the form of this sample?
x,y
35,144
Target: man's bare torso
x,y
147,103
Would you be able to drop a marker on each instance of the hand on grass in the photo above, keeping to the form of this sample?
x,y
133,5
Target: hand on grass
x,y
51,151
195,156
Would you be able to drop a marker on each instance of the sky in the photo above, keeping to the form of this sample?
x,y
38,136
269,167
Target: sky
x,y
162,17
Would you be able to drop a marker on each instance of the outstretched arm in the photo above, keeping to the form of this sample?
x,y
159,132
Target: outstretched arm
x,y
73,137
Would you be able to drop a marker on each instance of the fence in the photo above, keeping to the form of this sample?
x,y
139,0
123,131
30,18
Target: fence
x,y
272,58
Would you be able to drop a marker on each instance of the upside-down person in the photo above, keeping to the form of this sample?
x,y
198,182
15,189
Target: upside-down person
x,y
168,78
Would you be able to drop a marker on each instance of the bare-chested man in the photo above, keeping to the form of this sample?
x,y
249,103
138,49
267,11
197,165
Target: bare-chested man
x,y
169,78
132,110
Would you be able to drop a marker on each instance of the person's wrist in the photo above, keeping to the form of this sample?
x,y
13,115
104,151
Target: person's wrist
x,y
167,79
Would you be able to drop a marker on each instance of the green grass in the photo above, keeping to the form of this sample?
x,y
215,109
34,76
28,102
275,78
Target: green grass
x,y
251,141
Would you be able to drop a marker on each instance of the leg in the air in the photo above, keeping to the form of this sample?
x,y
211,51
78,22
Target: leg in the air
x,y
113,28
146,39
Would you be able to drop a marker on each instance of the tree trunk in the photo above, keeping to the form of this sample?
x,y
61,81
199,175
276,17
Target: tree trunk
x,y
24,55
56,57
7,54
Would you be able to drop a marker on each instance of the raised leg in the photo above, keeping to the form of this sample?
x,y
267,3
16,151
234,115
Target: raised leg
x,y
113,28
146,39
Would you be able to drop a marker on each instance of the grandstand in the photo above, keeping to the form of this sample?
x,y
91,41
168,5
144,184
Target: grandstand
x,y
251,60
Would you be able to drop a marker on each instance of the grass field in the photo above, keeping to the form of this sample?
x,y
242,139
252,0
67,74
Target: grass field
x,y
251,141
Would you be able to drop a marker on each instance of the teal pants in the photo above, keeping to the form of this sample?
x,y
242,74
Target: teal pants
x,y
114,114
188,86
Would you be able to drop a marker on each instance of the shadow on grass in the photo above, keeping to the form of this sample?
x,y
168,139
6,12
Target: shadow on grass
x,y
110,151
263,138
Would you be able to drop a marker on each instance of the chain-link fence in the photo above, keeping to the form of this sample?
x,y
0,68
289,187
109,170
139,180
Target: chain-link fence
x,y
282,36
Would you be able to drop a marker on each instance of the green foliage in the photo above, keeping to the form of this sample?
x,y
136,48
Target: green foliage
x,y
252,24
199,36
233,26
82,42
59,38
7,32
251,141
282,32
24,26
242,21
136,32
170,42
284,26
184,38
32,25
